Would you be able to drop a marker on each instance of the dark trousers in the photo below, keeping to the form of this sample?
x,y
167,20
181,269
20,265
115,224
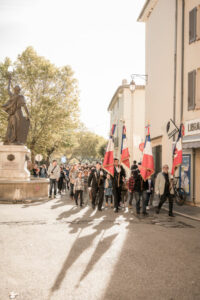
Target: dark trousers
x,y
163,198
77,193
140,196
71,189
148,198
53,186
100,198
111,200
117,196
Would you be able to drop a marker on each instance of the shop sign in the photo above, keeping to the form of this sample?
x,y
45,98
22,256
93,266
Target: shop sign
x,y
192,127
171,129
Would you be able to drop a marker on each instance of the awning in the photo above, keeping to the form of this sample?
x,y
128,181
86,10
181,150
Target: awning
x,y
191,141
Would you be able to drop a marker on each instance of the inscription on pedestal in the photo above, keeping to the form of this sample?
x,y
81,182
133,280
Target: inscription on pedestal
x,y
10,165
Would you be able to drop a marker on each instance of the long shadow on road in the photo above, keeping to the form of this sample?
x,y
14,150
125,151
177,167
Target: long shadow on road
x,y
96,221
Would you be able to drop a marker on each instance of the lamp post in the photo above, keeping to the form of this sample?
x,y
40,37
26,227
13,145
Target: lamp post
x,y
132,87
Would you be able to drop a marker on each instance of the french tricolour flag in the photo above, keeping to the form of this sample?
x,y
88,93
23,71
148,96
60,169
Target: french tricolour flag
x,y
147,167
108,163
124,149
177,152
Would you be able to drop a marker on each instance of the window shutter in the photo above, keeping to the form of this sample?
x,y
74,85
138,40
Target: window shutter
x,y
198,23
192,25
197,106
191,89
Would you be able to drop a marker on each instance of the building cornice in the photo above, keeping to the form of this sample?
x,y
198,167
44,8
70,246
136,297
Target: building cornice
x,y
147,10
120,90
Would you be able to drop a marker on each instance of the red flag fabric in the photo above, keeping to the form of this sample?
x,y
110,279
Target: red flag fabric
x,y
177,152
124,150
147,167
108,163
141,147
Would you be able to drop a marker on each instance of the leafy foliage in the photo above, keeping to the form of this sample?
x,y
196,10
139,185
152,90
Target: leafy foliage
x,y
86,147
52,98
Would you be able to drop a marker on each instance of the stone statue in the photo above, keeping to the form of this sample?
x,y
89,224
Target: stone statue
x,y
18,125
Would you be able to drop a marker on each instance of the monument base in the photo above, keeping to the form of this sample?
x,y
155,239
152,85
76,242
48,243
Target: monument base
x,y
13,162
15,191
15,183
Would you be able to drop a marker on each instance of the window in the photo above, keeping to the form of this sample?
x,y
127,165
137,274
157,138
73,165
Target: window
x,y
157,155
191,89
192,25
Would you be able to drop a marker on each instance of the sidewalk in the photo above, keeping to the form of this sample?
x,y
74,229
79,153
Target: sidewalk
x,y
191,212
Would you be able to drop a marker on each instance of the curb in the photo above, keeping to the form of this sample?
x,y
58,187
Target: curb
x,y
183,215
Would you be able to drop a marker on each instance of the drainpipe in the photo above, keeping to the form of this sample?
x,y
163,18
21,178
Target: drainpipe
x,y
175,64
193,166
182,60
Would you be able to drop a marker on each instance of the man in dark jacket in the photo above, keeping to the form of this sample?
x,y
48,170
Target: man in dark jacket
x,y
119,174
96,181
140,189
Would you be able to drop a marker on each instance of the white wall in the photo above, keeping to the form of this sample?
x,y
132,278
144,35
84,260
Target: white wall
x,y
160,70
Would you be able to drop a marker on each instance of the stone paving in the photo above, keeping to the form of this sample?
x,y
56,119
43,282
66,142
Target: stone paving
x,y
55,250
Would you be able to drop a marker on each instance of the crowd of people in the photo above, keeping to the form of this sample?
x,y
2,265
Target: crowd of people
x,y
92,182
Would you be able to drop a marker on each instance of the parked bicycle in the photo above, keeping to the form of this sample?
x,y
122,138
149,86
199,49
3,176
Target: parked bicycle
x,y
179,193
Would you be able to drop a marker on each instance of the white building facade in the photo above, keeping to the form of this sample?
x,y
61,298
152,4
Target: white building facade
x,y
128,107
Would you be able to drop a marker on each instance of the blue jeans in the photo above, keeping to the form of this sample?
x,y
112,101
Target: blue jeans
x,y
140,196
53,185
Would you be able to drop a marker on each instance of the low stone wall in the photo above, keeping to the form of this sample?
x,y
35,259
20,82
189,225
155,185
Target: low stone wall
x,y
20,191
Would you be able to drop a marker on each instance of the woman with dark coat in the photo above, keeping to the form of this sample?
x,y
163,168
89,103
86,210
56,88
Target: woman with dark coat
x,y
61,179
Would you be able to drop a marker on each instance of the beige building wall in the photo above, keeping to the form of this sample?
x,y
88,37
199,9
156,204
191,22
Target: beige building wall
x,y
159,16
160,71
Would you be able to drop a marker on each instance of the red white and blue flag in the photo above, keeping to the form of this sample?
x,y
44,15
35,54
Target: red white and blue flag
x,y
124,149
108,163
177,152
147,167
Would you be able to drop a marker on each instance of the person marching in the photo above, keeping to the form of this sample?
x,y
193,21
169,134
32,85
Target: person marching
x,y
108,190
54,174
149,192
164,188
131,184
72,177
78,189
96,181
140,189
119,174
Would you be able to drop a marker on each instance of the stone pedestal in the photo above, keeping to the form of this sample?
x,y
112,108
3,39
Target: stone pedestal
x,y
13,162
17,191
15,183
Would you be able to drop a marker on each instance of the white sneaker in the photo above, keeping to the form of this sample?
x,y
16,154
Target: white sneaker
x,y
148,208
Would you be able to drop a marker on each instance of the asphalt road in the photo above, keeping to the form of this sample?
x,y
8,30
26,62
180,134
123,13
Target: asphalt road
x,y
54,250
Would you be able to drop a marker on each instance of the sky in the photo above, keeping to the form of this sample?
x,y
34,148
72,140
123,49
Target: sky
x,y
101,40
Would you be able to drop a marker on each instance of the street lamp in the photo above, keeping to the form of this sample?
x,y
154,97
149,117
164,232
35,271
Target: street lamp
x,y
132,85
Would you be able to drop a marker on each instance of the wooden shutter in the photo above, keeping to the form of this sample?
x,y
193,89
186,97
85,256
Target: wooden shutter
x,y
192,25
197,106
198,23
191,89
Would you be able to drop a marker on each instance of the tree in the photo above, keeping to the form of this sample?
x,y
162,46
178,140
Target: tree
x,y
52,99
86,146
102,149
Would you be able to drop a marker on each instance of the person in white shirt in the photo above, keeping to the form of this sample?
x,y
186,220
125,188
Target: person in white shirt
x,y
54,174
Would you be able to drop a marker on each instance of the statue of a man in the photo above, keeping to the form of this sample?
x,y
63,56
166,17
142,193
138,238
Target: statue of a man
x,y
18,125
